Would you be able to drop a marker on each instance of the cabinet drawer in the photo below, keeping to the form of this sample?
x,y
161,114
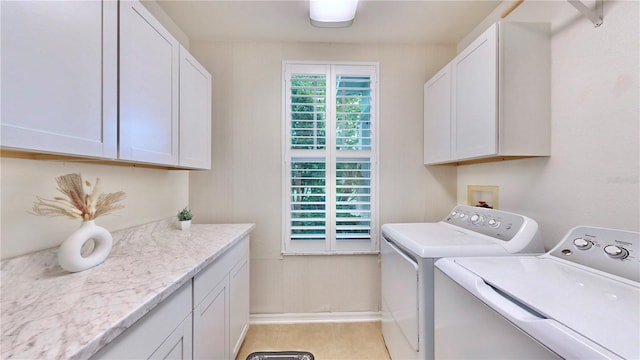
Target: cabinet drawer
x,y
144,337
208,278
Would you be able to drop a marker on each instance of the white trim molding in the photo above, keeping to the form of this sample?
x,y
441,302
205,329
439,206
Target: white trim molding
x,y
323,317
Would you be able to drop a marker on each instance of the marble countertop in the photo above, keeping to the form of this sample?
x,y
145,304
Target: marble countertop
x,y
49,313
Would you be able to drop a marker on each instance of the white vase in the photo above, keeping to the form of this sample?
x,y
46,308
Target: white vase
x,y
185,224
69,253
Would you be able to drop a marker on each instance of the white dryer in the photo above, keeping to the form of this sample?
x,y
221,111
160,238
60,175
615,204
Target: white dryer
x,y
581,300
409,252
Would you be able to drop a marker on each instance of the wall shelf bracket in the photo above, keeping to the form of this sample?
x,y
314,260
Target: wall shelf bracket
x,y
595,15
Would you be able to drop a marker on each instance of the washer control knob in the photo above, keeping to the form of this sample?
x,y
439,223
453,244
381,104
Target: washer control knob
x,y
454,213
462,215
493,223
616,251
476,219
582,244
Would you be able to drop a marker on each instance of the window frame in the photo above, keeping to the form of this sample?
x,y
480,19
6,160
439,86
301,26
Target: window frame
x,y
330,245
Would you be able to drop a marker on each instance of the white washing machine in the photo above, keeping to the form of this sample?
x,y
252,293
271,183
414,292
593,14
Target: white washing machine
x,y
409,252
581,300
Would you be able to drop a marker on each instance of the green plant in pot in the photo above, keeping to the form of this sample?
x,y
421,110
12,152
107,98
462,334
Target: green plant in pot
x,y
184,217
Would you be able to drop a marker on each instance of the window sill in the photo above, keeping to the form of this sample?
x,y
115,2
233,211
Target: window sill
x,y
324,253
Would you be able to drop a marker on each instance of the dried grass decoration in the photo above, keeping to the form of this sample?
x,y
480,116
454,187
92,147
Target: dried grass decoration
x,y
85,206
78,204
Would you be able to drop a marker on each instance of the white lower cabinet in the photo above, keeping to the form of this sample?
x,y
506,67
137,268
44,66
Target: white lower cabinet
x,y
164,333
221,305
238,304
210,323
207,318
179,344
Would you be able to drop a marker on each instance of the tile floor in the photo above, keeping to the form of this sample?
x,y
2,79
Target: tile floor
x,y
326,341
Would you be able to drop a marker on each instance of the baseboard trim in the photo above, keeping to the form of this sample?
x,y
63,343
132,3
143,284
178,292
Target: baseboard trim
x,y
325,317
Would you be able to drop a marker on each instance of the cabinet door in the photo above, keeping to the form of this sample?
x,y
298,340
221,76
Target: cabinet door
x,y
165,331
195,113
59,77
178,345
475,89
437,117
211,324
149,65
239,305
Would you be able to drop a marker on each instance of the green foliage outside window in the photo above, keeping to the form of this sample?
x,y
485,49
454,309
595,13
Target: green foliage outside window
x,y
309,175
308,112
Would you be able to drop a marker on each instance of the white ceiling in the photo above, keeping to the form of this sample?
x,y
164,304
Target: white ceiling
x,y
376,21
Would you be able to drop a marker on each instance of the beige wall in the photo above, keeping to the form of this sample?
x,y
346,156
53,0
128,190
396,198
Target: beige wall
x,y
152,194
592,176
245,183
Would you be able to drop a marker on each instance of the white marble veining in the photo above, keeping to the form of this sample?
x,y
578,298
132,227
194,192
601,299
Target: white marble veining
x,y
48,313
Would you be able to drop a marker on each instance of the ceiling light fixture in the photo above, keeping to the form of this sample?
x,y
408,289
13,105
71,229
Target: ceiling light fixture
x,y
332,13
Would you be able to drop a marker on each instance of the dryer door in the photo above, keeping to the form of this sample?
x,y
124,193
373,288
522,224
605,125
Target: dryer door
x,y
399,296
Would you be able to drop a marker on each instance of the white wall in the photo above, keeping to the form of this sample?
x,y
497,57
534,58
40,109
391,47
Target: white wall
x,y
592,175
152,194
244,184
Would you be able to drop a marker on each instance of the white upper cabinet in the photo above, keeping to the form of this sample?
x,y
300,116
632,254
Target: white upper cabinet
x,y
81,78
474,107
59,77
499,98
437,117
195,113
149,85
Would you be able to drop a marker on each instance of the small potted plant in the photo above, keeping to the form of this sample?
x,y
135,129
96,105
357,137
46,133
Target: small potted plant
x,y
184,217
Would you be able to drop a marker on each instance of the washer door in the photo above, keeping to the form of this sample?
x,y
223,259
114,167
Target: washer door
x,y
400,292
466,328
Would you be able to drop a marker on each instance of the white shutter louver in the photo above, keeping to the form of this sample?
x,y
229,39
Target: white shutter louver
x,y
308,111
308,199
329,154
353,199
353,113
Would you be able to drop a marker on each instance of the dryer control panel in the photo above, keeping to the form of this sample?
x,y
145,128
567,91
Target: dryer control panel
x,y
498,224
613,251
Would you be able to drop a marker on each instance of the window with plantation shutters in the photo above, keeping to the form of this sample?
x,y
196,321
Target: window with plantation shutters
x,y
330,154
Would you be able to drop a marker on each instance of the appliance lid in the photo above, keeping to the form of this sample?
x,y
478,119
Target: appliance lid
x,y
468,231
601,308
435,240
